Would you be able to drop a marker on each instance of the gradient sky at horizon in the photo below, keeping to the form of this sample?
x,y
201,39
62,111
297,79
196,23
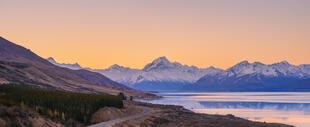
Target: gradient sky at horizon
x,y
132,33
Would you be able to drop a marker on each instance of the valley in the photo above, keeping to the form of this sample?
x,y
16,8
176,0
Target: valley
x,y
38,90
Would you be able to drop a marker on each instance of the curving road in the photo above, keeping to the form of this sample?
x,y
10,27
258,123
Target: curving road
x,y
146,111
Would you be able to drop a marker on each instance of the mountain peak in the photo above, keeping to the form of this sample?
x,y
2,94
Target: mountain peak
x,y
284,62
51,59
162,59
116,66
159,63
244,62
239,67
212,67
77,65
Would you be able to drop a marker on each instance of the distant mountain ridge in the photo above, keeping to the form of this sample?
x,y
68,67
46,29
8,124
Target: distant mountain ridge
x,y
256,76
75,66
161,74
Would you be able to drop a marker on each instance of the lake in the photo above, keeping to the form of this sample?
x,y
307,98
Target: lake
x,y
282,107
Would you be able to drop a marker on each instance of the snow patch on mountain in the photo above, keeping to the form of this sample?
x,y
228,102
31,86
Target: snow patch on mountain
x,y
75,66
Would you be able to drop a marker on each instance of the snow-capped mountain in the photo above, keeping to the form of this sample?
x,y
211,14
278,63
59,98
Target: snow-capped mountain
x,y
283,69
256,76
161,74
121,74
305,68
75,66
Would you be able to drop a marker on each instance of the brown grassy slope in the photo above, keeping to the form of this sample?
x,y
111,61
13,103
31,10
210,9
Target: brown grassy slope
x,y
16,117
20,65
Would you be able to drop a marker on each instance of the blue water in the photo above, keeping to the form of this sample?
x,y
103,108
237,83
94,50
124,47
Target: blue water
x,y
282,107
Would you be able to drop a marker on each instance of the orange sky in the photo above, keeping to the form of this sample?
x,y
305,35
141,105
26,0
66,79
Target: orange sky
x,y
220,33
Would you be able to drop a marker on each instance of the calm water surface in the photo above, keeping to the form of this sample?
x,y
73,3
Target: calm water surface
x,y
282,107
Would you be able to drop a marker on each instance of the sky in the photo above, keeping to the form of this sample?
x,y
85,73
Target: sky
x,y
132,33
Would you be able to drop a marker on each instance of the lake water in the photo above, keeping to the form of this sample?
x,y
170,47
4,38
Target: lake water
x,y
282,107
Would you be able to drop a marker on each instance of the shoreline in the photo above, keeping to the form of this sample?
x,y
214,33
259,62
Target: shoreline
x,y
174,115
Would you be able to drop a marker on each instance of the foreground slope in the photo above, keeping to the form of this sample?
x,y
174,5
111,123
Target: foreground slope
x,y
20,65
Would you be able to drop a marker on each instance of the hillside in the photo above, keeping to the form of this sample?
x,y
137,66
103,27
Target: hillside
x,y
20,65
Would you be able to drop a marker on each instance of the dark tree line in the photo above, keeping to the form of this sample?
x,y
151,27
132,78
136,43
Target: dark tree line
x,y
57,104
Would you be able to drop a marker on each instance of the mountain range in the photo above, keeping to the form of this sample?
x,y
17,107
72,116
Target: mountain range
x,y
19,65
256,76
161,74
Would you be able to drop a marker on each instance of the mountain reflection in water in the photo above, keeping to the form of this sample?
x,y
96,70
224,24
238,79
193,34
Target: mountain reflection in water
x,y
282,107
